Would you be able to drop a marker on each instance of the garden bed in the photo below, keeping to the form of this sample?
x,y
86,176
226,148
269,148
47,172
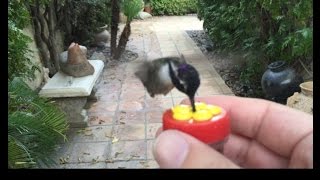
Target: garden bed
x,y
229,67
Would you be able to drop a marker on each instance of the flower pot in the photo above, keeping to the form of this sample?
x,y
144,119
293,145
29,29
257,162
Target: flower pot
x,y
280,82
307,88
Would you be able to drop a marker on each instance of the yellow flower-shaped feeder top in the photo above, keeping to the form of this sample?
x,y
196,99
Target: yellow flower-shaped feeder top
x,y
203,112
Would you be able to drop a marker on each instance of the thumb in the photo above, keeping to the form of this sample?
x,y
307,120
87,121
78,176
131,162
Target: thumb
x,y
175,149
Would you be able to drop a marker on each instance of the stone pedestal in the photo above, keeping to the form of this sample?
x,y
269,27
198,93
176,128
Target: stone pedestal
x,y
73,107
71,94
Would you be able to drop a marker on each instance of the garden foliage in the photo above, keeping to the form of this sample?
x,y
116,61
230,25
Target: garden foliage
x,y
263,30
173,7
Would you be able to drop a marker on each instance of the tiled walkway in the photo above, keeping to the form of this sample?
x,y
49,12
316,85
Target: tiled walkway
x,y
123,122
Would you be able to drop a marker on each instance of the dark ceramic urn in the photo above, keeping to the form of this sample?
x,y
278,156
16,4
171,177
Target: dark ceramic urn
x,y
280,82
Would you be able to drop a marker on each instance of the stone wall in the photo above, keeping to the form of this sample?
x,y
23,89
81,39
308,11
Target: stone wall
x,y
35,57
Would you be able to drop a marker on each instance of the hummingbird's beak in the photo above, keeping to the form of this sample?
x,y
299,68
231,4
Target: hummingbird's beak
x,y
192,103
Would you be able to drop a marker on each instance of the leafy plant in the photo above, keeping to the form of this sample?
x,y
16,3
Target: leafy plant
x,y
173,7
19,62
277,29
131,8
34,127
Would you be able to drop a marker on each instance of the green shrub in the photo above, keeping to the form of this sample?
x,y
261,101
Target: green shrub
x,y
173,7
131,8
34,127
86,16
18,60
277,29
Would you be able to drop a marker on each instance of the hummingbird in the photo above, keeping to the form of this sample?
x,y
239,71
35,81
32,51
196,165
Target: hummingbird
x,y
161,75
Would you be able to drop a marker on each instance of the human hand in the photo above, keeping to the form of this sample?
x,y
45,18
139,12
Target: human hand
x,y
263,135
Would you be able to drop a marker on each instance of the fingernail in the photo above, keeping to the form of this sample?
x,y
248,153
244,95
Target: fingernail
x,y
170,149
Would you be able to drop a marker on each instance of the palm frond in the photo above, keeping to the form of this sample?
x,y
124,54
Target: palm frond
x,y
18,156
34,126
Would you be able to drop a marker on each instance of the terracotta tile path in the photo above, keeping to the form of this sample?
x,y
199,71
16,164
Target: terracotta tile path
x,y
123,122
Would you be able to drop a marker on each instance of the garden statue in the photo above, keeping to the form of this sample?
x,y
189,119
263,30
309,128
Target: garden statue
x,y
76,64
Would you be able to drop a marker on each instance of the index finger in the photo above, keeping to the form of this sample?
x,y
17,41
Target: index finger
x,y
276,126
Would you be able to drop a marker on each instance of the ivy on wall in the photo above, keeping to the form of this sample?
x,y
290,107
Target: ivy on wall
x,y
18,59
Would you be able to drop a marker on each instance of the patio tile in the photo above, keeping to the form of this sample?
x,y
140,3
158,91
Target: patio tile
x,y
93,165
136,95
209,90
128,105
205,74
208,82
149,149
91,134
128,150
219,80
88,152
128,117
159,104
171,52
154,116
109,97
152,128
101,106
129,132
134,164
132,86
151,164
225,89
98,119
62,149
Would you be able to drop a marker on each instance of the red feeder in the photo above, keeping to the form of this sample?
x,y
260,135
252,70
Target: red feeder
x,y
213,131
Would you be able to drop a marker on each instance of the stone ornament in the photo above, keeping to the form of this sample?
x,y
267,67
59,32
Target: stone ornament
x,y
77,64
304,100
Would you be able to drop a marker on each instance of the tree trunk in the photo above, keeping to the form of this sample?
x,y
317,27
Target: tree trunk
x,y
114,25
66,23
54,54
38,30
46,21
123,40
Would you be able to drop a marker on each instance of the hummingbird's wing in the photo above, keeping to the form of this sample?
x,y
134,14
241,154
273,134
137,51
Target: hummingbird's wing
x,y
154,74
143,71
